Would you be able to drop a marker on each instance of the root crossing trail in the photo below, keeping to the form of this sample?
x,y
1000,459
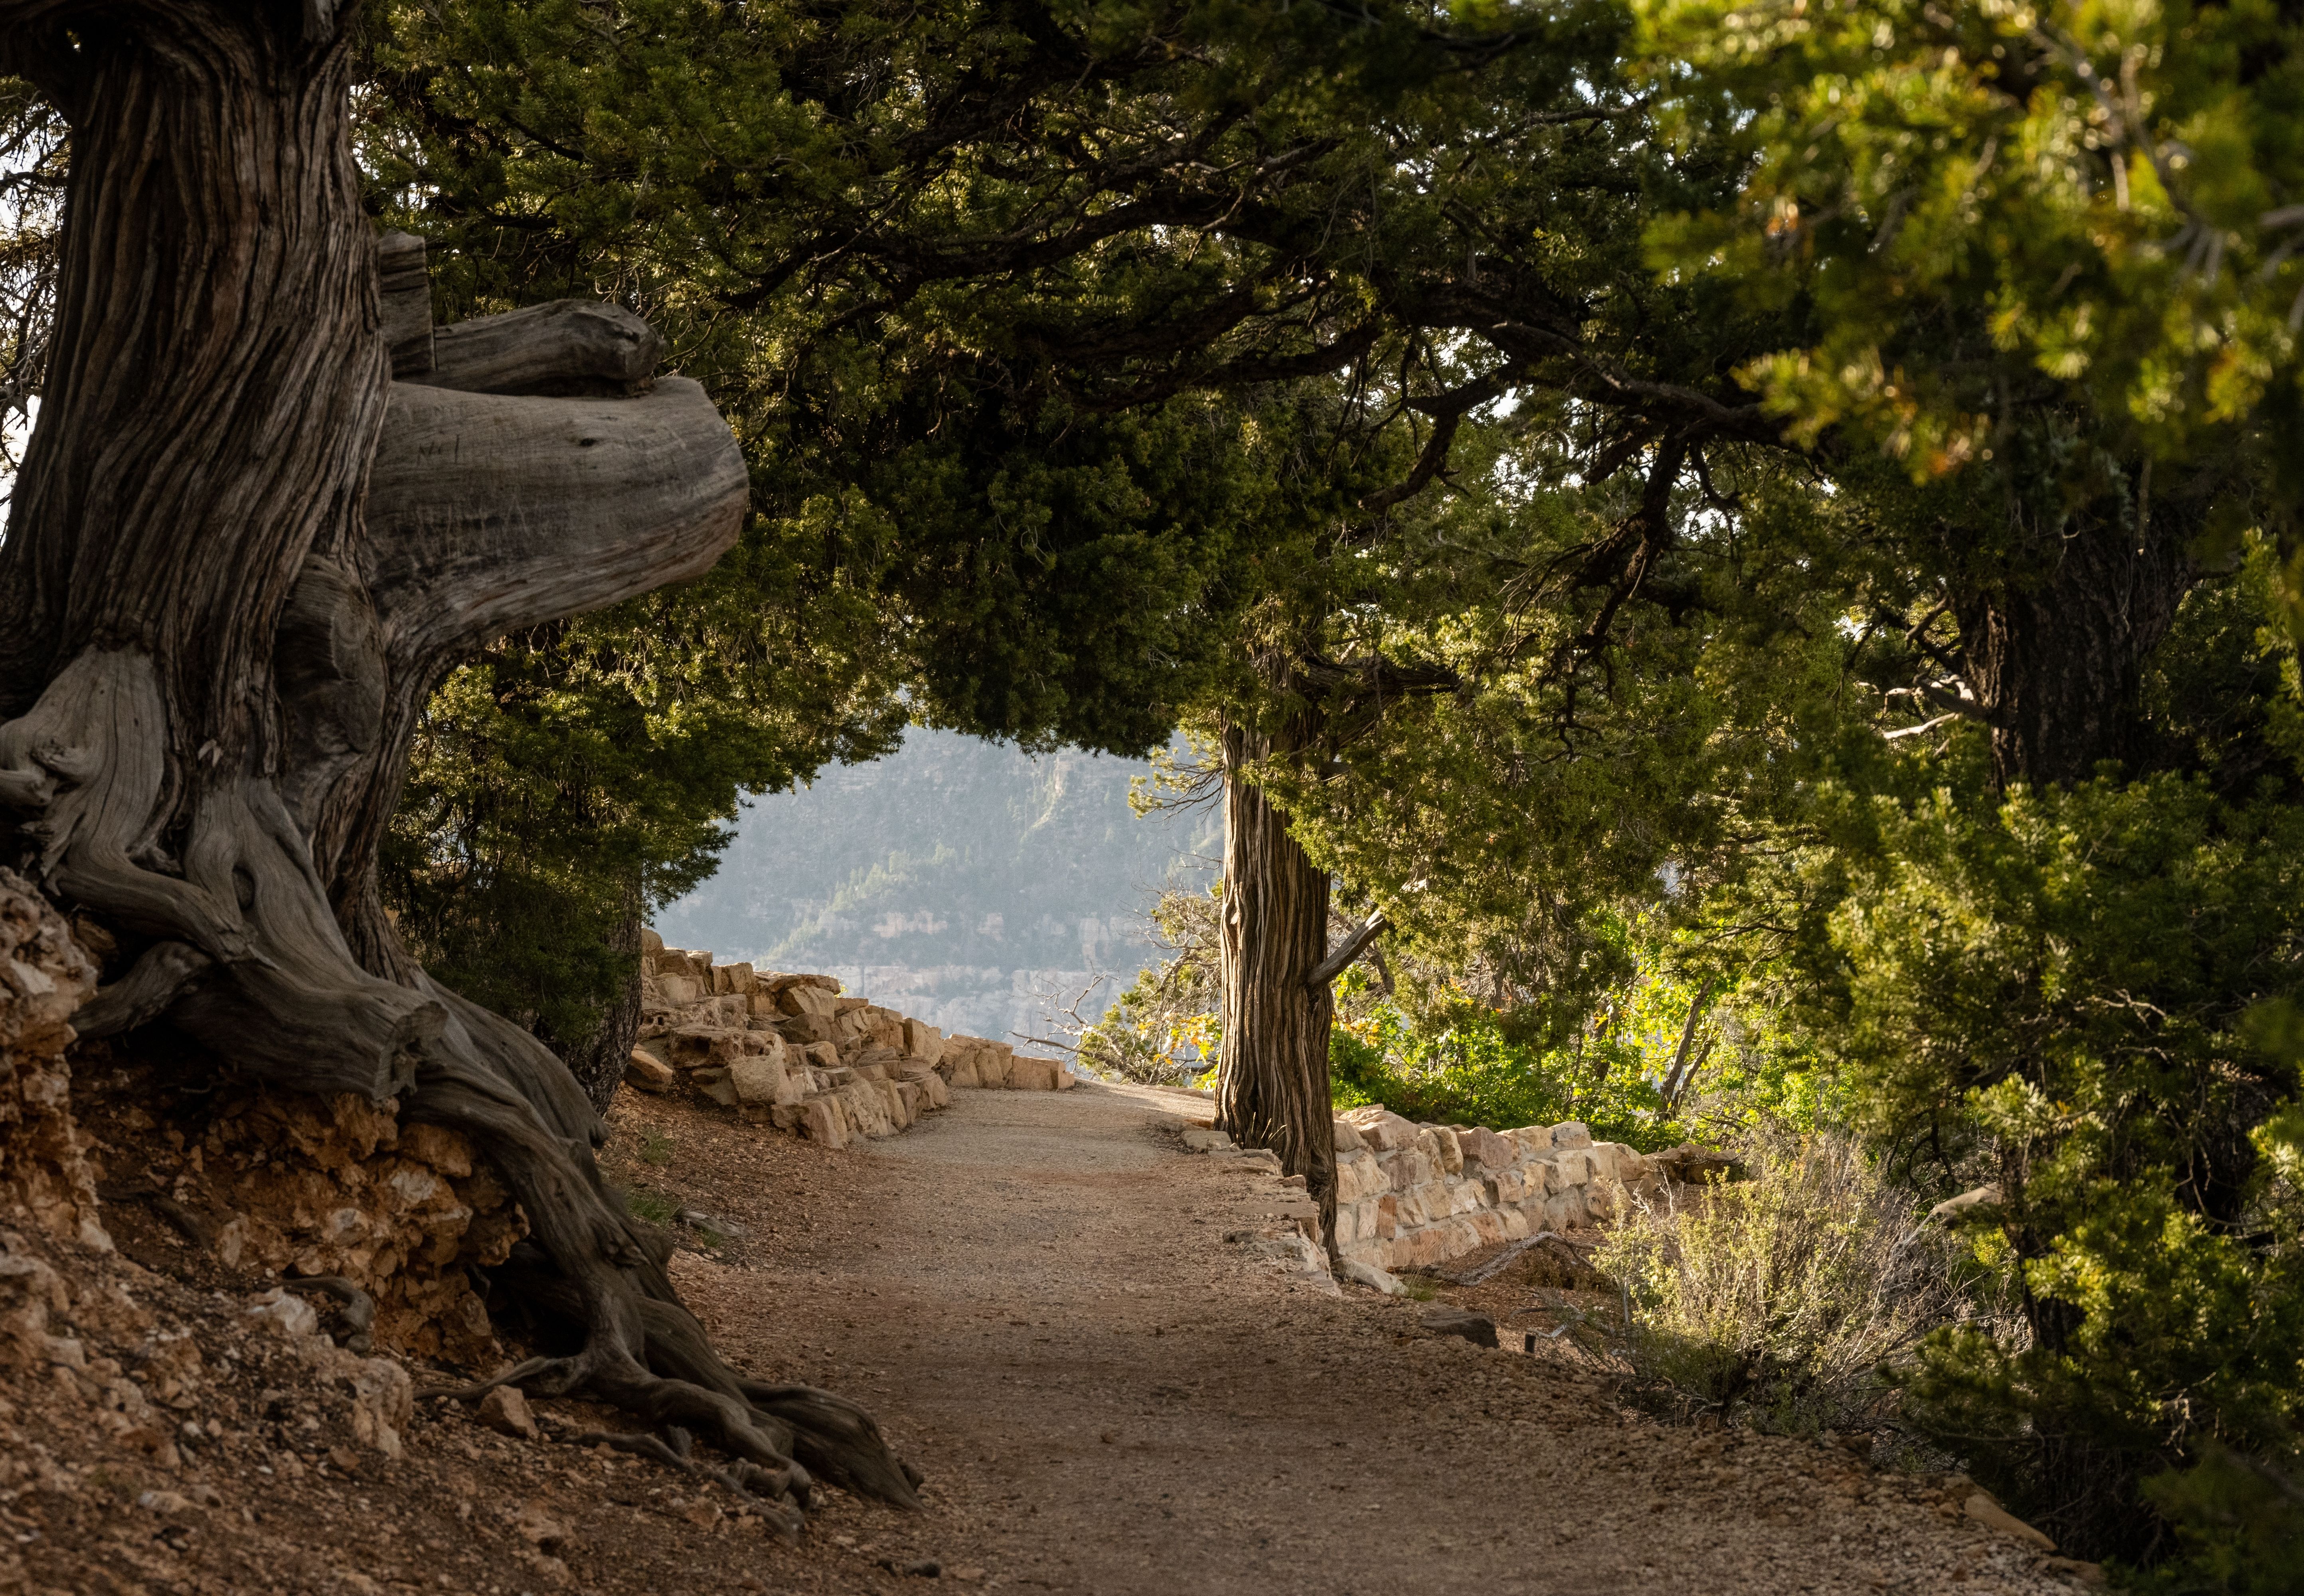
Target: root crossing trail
x,y
1035,1294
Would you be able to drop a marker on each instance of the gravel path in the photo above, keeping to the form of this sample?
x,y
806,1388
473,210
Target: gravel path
x,y
1036,1293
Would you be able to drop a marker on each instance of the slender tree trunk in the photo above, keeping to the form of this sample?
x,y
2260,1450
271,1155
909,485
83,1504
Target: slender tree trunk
x,y
238,559
598,1063
1272,1078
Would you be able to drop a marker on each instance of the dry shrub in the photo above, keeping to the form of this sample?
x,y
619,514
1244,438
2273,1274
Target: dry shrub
x,y
1785,1301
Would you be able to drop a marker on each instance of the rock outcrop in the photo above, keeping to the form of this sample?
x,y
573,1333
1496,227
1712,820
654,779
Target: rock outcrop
x,y
792,1052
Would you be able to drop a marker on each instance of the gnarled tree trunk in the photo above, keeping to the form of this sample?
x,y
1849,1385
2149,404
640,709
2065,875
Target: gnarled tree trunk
x,y
1272,1078
239,560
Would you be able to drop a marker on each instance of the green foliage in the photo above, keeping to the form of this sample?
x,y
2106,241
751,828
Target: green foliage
x,y
1460,1062
564,785
653,1206
2089,203
1165,1028
2068,992
1787,1300
2240,1522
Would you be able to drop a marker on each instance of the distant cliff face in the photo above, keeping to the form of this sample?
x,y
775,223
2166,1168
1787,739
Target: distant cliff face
x,y
957,880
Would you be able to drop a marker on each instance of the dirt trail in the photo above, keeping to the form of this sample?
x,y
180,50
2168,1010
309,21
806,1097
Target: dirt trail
x,y
1035,1293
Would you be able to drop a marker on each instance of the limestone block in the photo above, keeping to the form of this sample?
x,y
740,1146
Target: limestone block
x,y
1490,1224
1534,1141
1572,1134
867,1109
1980,1506
924,1041
1415,1170
702,1047
849,1024
1475,1328
1438,1143
1374,1278
1028,1074
1347,1137
1424,1247
764,1079
806,1028
648,1072
1516,1225
778,981
1507,1187
1204,1139
892,1103
992,1062
1484,1152
821,1055
652,944
678,992
1602,1156
1467,1196
713,1083
1359,1175
741,980
933,1090
1383,1130
801,998
820,1121
914,1101
960,1069
1387,1215
1575,1166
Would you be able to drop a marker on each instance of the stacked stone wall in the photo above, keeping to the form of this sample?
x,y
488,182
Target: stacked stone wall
x,y
1413,1195
792,1052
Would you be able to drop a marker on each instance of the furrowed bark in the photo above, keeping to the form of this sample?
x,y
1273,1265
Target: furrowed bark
x,y
2055,661
1272,1076
214,638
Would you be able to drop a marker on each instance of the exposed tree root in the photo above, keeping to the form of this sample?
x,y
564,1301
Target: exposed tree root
x,y
248,957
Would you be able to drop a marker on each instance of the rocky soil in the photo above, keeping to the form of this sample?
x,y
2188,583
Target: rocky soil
x,y
1089,1340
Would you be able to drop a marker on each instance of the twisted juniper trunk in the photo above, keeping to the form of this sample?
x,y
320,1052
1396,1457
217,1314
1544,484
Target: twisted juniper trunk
x,y
1271,1079
239,557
